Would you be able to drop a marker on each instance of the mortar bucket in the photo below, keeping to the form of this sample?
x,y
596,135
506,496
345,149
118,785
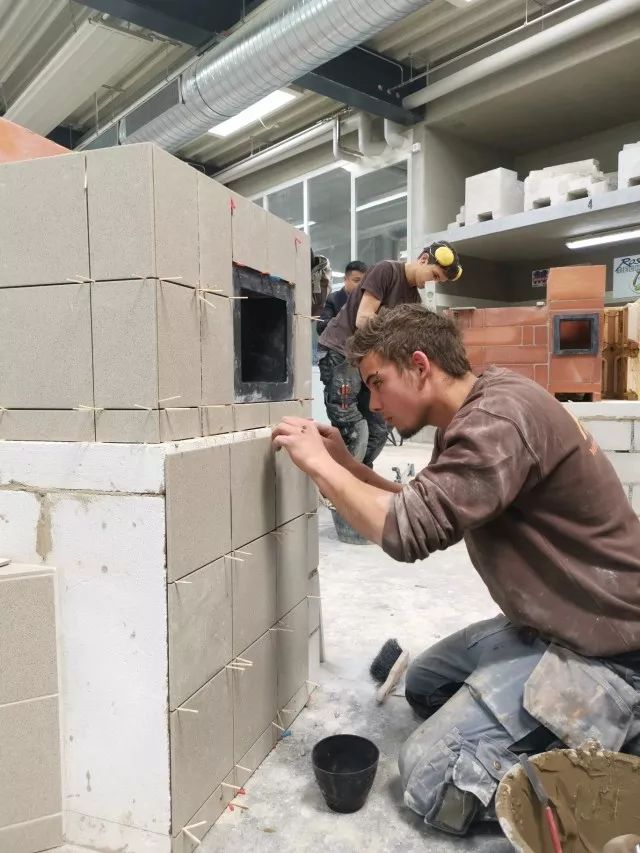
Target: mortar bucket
x,y
345,767
594,795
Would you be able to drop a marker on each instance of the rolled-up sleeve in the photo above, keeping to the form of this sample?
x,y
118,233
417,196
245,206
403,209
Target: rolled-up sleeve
x,y
485,463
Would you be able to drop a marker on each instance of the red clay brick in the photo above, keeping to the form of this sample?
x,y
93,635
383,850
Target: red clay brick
x,y
541,374
527,335
497,335
574,369
476,354
516,355
541,336
524,316
466,318
523,369
585,282
575,388
575,305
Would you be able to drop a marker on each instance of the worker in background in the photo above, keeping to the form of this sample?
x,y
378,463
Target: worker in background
x,y
353,274
386,284
549,529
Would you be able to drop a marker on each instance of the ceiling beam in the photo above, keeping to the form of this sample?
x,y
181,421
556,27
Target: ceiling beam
x,y
192,22
365,81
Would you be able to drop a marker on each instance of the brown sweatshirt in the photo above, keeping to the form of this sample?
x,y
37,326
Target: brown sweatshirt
x,y
544,516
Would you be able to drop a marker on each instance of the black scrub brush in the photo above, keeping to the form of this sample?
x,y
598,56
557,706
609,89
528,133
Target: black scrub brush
x,y
388,667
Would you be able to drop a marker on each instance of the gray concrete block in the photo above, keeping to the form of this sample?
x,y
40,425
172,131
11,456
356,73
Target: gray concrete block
x,y
128,427
214,222
121,212
254,694
250,416
302,292
313,542
178,424
216,419
253,492
295,491
216,328
293,653
28,630
302,359
42,834
254,591
200,613
30,773
313,587
125,343
175,186
289,408
257,753
198,508
201,747
45,357
293,569
47,425
43,227
249,234
179,355
202,821
282,241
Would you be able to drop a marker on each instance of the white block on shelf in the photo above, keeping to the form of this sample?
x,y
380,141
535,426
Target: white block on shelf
x,y
629,165
493,194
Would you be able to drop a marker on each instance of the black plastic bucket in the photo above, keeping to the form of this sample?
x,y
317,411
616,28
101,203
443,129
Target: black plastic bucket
x,y
345,767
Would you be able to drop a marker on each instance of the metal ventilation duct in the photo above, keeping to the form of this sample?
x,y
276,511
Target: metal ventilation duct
x,y
245,68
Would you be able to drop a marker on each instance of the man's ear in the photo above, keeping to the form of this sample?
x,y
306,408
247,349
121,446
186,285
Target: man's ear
x,y
421,364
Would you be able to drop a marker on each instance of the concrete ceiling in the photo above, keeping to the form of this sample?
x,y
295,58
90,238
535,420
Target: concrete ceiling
x,y
548,100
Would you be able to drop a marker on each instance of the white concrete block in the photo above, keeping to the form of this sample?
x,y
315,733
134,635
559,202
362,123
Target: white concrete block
x,y
562,183
605,409
492,195
610,435
97,834
626,465
46,465
629,166
20,514
110,554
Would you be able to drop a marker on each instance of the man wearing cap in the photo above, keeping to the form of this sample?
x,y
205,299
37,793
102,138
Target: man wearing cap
x,y
386,284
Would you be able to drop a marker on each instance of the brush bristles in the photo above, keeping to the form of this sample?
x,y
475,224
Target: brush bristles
x,y
384,660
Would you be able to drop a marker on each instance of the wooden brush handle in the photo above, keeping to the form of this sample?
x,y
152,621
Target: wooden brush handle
x,y
395,674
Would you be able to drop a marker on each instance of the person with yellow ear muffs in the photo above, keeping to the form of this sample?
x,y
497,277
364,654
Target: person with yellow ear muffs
x,y
385,285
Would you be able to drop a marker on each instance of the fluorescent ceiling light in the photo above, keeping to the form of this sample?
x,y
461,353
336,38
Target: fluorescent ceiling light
x,y
262,108
604,239
301,226
337,274
378,201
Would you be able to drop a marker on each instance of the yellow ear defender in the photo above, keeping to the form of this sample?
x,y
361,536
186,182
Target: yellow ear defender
x,y
444,256
458,274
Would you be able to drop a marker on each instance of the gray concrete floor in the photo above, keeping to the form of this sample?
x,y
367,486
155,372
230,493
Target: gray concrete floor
x,y
367,597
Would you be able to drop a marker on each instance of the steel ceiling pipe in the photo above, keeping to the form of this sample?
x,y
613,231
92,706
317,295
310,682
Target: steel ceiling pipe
x,y
246,67
579,25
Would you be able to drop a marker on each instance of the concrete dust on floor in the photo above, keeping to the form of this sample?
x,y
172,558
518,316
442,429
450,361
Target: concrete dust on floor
x,y
367,598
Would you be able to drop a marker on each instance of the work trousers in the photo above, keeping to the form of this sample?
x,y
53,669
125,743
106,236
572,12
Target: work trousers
x,y
347,399
472,688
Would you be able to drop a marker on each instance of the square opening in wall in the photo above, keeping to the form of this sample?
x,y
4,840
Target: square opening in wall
x,y
263,338
263,324
576,334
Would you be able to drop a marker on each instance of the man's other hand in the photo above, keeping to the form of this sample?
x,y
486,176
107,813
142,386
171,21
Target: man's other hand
x,y
335,445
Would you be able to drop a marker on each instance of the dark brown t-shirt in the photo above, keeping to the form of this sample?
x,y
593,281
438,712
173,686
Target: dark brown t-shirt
x,y
386,281
544,516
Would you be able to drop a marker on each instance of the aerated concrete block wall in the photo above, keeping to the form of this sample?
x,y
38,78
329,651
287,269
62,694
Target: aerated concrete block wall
x,y
186,550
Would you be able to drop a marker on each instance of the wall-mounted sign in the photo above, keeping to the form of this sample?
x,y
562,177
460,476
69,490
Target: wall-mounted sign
x,y
539,278
626,277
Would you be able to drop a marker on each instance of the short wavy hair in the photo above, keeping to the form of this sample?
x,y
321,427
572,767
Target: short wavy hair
x,y
396,333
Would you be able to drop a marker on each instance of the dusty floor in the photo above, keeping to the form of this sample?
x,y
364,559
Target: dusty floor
x,y
366,599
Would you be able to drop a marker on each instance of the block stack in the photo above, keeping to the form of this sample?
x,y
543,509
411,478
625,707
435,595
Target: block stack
x,y
134,297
